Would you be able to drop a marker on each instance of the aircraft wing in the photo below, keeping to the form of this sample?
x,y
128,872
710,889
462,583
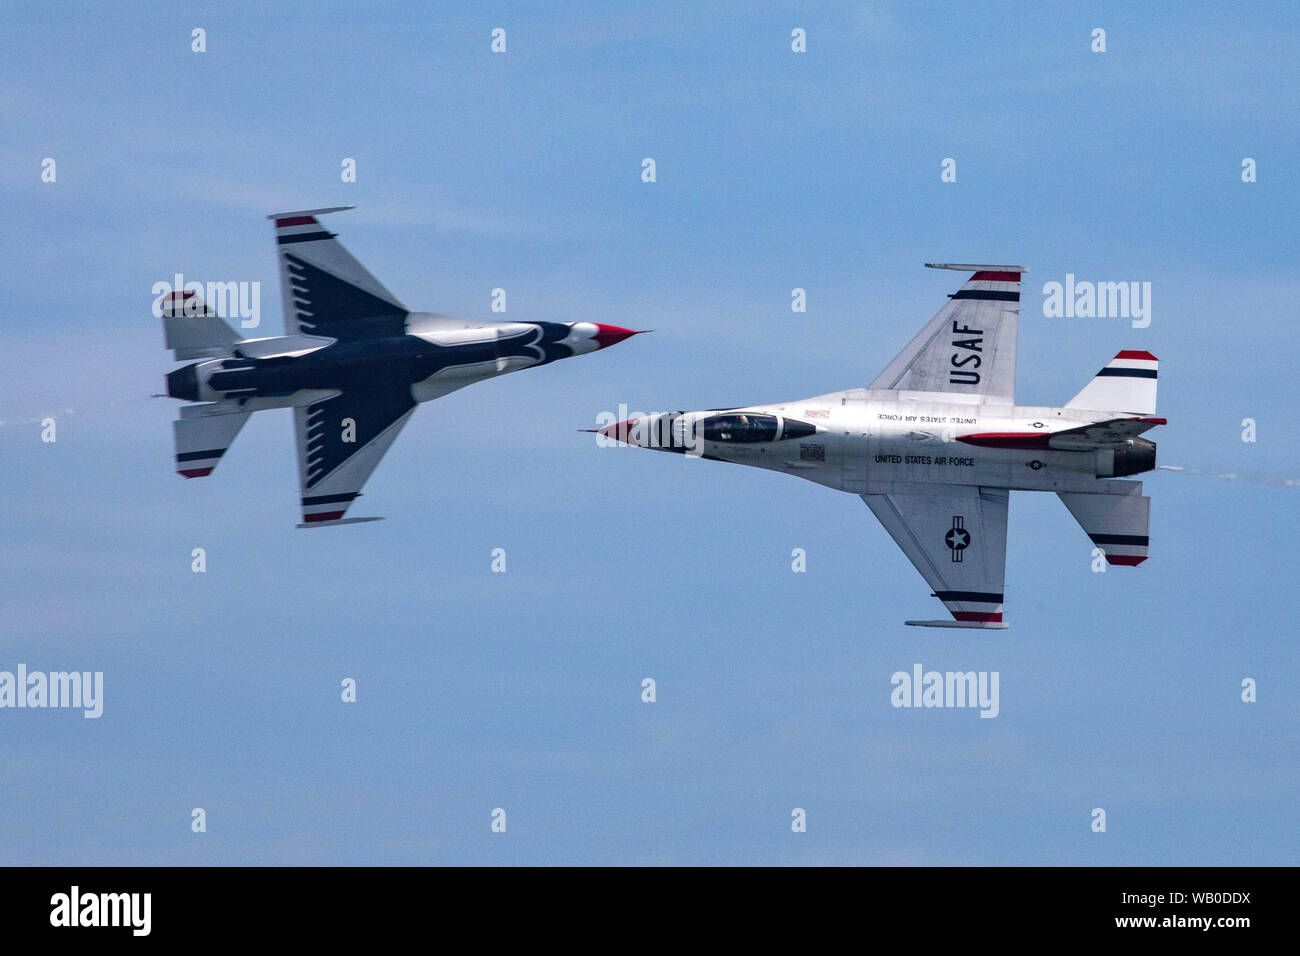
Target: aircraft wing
x,y
340,441
325,290
969,347
958,541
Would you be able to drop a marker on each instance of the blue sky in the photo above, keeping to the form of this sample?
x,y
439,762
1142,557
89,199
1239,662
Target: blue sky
x,y
522,690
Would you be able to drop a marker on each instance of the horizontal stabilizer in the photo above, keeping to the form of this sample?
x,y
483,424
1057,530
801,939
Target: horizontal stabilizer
x,y
1117,523
203,433
1126,384
192,329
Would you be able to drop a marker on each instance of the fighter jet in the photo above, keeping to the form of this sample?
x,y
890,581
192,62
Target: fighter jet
x,y
353,364
936,443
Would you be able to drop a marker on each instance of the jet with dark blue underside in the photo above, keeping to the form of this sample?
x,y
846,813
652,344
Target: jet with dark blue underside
x,y
353,364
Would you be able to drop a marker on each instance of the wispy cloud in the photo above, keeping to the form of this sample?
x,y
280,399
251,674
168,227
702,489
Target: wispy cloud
x,y
39,419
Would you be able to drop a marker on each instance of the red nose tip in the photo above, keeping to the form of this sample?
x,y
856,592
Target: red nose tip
x,y
608,335
620,430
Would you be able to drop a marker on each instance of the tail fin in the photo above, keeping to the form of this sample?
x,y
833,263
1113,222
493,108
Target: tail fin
x,y
1116,522
192,329
1126,384
203,433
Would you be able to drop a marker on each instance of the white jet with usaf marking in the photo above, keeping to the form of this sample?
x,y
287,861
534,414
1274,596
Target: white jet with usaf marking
x,y
936,443
353,364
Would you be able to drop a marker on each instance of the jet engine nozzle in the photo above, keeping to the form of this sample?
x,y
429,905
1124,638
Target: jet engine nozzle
x,y
184,383
1132,458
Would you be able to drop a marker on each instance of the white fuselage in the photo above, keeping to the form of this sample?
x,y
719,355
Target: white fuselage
x,y
872,441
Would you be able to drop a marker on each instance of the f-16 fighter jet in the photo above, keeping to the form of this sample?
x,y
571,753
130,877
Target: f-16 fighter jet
x,y
353,364
936,443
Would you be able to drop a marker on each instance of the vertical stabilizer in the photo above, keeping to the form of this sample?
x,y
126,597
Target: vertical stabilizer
x,y
1126,384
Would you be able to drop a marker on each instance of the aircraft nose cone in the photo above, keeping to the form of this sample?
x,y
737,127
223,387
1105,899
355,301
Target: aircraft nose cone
x,y
620,431
607,335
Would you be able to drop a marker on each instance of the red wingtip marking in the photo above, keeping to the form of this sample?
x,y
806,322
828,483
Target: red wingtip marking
x,y
323,516
295,221
1136,354
995,277
196,472
1129,560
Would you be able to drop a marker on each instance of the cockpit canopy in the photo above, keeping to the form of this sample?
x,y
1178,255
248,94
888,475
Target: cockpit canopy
x,y
749,427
